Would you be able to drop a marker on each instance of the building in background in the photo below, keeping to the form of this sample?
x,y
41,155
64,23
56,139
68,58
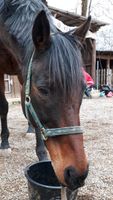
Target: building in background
x,y
102,67
104,61
12,86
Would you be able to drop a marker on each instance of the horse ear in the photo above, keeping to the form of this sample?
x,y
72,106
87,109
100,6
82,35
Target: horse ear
x,y
41,31
82,30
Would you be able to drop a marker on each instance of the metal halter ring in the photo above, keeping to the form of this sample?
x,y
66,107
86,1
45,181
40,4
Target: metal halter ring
x,y
27,99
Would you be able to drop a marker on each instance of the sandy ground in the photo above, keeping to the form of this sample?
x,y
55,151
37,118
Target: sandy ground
x,y
97,120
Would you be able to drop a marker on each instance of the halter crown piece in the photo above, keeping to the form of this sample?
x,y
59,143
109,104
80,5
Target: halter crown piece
x,y
46,132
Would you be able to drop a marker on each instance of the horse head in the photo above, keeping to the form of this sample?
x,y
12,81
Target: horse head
x,y
56,93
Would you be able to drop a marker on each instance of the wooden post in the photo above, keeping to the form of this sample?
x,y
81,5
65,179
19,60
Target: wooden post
x,y
108,72
84,7
93,66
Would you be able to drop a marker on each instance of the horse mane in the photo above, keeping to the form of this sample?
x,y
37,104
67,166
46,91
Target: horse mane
x,y
65,59
18,17
7,41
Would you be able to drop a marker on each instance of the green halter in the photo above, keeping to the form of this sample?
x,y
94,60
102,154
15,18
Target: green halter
x,y
46,132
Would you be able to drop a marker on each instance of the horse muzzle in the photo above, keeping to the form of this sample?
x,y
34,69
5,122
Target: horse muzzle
x,y
73,179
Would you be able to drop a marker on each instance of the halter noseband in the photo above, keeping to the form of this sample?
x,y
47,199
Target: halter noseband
x,y
46,132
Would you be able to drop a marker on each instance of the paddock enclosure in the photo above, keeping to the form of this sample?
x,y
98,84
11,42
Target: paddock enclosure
x,y
97,120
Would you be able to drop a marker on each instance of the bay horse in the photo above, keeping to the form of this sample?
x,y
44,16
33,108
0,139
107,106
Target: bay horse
x,y
53,84
9,64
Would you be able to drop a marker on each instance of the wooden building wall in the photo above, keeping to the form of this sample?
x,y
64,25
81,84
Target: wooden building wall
x,y
104,68
12,86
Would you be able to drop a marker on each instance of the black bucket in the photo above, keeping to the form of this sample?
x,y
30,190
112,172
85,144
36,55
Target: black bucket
x,y
43,183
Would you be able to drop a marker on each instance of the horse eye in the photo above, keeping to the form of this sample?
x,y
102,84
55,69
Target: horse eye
x,y
44,91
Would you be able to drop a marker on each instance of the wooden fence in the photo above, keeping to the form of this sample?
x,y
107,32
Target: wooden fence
x,y
104,76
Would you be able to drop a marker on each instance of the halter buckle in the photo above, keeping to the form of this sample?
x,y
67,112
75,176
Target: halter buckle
x,y
42,130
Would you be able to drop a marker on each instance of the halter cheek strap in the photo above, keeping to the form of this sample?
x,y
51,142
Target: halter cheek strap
x,y
46,132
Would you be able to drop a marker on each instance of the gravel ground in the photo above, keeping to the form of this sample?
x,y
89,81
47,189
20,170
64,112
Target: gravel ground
x,y
96,118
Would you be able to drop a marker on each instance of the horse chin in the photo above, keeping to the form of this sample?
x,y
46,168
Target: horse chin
x,y
73,179
71,185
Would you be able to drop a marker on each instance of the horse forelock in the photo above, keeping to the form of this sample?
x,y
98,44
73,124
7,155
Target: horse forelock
x,y
65,63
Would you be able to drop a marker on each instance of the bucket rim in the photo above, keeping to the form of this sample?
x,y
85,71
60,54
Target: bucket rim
x,y
36,183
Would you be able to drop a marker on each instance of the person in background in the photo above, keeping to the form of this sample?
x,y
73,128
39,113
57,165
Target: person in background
x,y
89,83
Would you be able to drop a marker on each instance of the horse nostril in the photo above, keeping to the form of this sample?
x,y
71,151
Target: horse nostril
x,y
73,179
70,172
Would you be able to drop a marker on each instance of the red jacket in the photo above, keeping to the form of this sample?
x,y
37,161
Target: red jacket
x,y
87,78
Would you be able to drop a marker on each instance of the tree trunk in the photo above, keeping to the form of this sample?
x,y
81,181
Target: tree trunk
x,y
84,7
